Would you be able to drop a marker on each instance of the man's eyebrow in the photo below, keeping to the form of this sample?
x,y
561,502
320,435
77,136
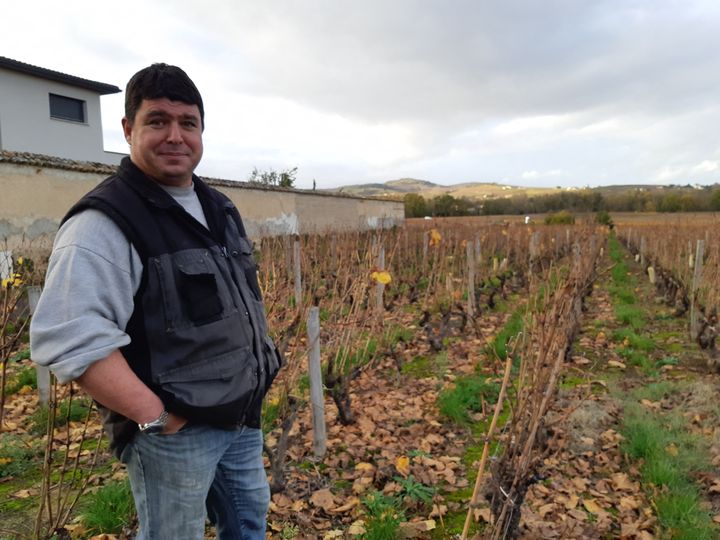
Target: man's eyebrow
x,y
161,113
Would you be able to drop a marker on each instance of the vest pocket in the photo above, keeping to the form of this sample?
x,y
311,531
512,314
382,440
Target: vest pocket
x,y
215,390
199,294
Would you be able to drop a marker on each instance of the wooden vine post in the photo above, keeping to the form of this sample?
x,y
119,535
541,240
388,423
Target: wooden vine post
x,y
298,274
697,274
380,287
471,279
317,399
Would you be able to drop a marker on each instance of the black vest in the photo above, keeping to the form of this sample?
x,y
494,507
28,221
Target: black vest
x,y
198,331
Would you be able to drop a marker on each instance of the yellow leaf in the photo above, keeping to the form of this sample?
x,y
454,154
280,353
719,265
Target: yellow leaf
x,y
435,237
616,363
672,449
5,460
592,507
383,277
402,464
357,528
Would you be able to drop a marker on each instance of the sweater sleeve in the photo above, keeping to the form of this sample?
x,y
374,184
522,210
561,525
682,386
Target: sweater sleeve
x,y
93,275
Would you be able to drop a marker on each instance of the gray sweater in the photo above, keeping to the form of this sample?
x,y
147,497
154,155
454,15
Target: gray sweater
x,y
87,301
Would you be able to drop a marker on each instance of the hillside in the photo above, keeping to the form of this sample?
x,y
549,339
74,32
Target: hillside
x,y
471,190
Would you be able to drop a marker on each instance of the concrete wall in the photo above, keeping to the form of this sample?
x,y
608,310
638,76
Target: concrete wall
x,y
26,126
35,196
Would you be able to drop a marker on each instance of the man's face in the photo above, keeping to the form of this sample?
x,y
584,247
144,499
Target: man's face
x,y
165,140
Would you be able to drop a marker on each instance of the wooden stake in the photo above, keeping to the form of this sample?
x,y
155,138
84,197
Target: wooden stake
x,y
298,275
486,446
697,274
317,398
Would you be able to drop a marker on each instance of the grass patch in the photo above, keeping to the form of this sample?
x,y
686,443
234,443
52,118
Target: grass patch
x,y
75,410
109,510
669,457
383,517
634,340
499,346
19,455
25,377
466,397
631,315
423,367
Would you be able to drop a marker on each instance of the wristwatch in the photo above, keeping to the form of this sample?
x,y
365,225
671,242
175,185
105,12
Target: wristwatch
x,y
157,425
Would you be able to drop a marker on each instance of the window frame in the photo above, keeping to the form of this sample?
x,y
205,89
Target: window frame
x,y
54,115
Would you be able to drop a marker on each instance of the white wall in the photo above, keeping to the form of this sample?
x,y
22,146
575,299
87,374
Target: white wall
x,y
26,126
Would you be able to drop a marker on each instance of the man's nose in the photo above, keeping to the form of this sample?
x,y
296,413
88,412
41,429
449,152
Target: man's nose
x,y
174,133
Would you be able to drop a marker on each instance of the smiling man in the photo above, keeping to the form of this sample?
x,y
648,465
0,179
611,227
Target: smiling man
x,y
151,304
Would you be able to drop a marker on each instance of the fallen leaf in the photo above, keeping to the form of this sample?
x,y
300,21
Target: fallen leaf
x,y
672,449
592,507
324,499
22,494
352,503
484,514
357,528
333,534
572,502
616,363
402,464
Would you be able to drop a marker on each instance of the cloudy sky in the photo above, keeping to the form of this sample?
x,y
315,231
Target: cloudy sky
x,y
526,92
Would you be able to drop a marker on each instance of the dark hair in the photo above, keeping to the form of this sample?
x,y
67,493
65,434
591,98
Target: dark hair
x,y
161,81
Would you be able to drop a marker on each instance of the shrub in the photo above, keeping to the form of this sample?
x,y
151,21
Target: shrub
x,y
560,218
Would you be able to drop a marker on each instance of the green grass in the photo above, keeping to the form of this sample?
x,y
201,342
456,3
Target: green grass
x,y
109,510
466,397
67,411
669,458
631,315
25,377
19,455
635,340
499,346
384,516
423,367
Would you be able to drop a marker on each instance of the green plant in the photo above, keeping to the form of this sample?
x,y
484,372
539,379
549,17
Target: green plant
x,y
17,455
603,218
560,218
384,517
110,509
467,396
415,490
512,329
24,377
74,410
289,531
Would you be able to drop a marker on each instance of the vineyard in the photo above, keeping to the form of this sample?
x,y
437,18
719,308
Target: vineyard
x,y
457,378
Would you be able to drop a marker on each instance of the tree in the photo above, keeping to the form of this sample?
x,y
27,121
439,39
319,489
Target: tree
x,y
415,205
284,178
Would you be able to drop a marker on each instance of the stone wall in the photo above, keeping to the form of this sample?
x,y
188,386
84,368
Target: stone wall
x,y
36,192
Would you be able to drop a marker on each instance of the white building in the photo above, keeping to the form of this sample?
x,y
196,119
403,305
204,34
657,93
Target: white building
x,y
47,112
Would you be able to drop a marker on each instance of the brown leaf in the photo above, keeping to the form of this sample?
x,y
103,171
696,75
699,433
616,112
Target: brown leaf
x,y
621,482
592,507
351,503
324,499
484,514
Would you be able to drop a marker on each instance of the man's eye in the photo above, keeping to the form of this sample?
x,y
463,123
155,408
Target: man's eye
x,y
156,122
189,124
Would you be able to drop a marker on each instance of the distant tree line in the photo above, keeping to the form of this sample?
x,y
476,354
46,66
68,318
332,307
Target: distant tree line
x,y
706,199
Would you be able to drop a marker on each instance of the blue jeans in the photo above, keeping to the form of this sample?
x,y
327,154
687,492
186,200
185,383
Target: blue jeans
x,y
176,478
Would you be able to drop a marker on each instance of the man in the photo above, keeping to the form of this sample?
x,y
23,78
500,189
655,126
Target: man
x,y
151,304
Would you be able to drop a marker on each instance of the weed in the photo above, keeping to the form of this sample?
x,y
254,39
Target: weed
x,y
289,532
634,340
17,455
25,377
415,490
511,329
467,396
67,411
110,510
422,367
631,315
384,517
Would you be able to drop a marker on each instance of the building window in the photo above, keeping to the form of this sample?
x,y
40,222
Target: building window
x,y
65,108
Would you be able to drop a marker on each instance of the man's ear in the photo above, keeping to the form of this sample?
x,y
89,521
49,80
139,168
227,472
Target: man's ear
x,y
127,129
